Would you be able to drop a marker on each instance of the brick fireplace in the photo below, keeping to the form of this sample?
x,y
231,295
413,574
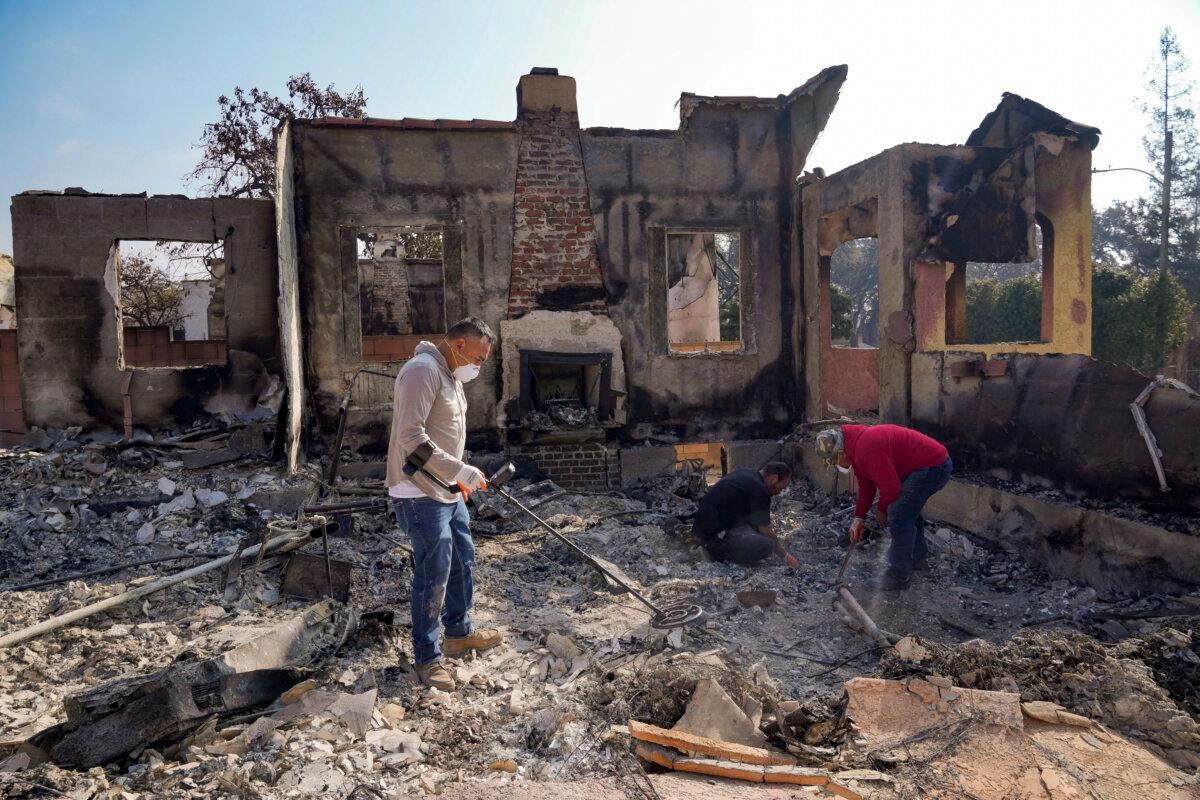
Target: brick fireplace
x,y
563,372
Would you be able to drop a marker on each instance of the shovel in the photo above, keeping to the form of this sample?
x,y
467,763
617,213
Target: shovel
x,y
675,615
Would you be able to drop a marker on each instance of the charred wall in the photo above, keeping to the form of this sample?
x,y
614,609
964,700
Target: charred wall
x,y
346,177
1063,421
730,167
68,332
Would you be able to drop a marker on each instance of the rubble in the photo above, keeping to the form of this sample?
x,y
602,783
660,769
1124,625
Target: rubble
x,y
578,660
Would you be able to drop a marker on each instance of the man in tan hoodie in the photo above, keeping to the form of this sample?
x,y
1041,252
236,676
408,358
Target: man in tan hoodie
x,y
429,483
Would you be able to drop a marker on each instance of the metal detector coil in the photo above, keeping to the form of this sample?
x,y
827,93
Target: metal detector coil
x,y
676,615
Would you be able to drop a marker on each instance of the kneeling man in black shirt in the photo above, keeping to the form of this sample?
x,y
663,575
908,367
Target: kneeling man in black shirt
x,y
734,520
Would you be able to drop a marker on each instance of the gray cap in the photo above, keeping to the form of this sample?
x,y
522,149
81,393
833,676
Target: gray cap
x,y
830,442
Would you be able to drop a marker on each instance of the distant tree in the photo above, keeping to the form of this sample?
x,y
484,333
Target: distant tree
x,y
1163,321
842,328
727,265
148,297
1172,120
1128,233
1115,315
414,243
1008,311
854,268
238,150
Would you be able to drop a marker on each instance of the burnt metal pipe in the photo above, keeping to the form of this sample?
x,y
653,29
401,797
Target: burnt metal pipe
x,y
107,571
349,505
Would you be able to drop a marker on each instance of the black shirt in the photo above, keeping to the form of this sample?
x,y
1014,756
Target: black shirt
x,y
740,498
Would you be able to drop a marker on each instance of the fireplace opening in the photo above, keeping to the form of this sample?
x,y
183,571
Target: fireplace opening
x,y
564,391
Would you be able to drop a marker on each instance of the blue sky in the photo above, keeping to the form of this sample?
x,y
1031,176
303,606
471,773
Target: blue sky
x,y
112,96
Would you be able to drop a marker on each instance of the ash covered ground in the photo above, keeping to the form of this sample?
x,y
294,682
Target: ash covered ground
x,y
577,660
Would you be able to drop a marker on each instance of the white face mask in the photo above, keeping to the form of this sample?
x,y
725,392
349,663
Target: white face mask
x,y
463,372
843,470
466,373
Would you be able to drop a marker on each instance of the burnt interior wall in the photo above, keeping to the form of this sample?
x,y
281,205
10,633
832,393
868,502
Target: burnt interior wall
x,y
68,336
378,176
1063,421
730,167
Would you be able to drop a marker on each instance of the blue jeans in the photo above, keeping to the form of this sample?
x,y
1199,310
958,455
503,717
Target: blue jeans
x,y
443,553
905,522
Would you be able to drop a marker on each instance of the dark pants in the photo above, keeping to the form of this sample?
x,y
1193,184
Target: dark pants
x,y
905,522
442,583
741,545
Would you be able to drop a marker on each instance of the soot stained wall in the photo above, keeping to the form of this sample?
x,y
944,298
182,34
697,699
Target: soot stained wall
x,y
67,337
729,167
1062,420
373,176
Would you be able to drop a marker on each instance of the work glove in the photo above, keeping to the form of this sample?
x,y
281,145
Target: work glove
x,y
857,529
469,480
881,518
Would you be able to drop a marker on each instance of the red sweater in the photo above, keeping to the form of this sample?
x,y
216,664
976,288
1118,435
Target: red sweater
x,y
883,456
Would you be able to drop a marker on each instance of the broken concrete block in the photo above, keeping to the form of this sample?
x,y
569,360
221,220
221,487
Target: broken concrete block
x,y
763,598
145,534
210,497
296,692
184,502
1053,713
711,713
910,649
563,647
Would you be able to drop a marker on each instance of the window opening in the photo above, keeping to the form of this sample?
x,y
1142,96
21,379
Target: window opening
x,y
171,301
704,303
1001,302
402,290
854,293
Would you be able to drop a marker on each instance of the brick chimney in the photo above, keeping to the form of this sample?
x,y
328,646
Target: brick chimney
x,y
555,264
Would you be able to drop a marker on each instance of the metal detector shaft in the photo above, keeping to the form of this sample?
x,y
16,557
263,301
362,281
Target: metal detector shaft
x,y
577,550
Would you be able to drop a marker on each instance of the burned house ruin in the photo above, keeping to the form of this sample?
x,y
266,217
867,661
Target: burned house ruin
x,y
652,290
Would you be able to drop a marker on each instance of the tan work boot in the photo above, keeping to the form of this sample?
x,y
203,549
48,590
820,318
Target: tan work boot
x,y
479,640
435,676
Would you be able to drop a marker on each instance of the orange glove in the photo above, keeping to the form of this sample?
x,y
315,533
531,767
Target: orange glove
x,y
469,480
857,529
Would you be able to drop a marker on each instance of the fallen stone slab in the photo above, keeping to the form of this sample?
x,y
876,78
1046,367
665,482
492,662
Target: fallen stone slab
x,y
981,744
736,770
711,713
692,744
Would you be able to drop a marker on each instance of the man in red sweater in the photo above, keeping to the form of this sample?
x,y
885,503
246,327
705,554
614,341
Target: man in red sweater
x,y
907,468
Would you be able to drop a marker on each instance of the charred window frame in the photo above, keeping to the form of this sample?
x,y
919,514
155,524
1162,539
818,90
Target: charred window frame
x,y
359,344
169,329
959,322
658,242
